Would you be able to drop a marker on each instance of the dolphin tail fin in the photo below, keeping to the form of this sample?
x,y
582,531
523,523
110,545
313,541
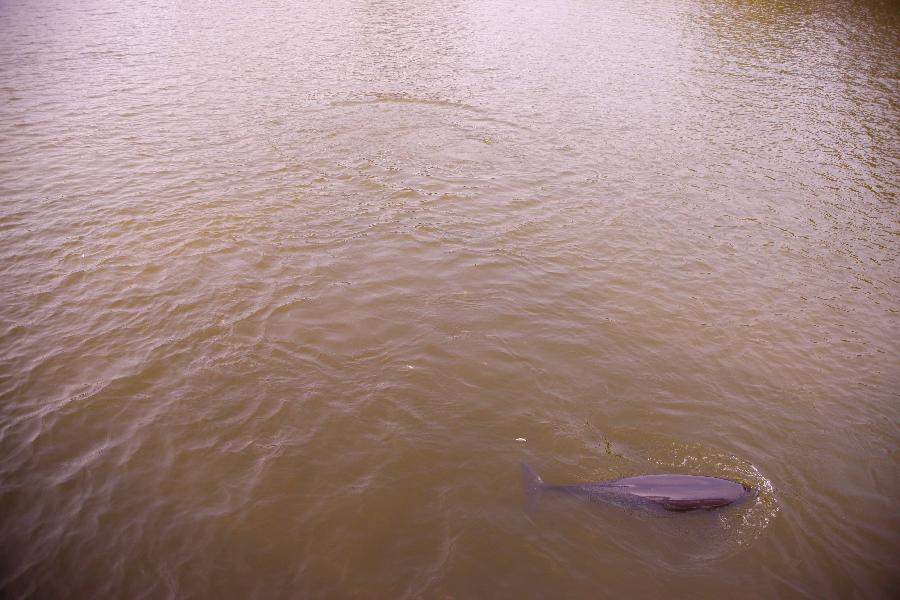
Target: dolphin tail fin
x,y
534,487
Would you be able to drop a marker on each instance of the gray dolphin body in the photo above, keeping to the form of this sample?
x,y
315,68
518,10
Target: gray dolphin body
x,y
671,492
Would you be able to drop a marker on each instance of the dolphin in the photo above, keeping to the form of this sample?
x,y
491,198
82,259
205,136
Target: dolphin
x,y
672,492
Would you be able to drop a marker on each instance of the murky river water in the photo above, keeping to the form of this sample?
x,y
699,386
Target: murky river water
x,y
283,282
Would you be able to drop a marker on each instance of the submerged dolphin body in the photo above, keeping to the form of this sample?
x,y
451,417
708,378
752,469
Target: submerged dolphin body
x,y
671,492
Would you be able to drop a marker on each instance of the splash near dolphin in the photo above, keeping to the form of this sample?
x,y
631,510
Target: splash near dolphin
x,y
672,492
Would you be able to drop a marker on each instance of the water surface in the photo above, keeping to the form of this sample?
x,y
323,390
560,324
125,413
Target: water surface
x,y
282,283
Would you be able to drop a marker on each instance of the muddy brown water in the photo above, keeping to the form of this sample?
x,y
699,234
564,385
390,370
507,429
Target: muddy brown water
x,y
282,284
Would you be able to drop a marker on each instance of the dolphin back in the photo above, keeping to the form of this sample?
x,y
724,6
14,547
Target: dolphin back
x,y
673,492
